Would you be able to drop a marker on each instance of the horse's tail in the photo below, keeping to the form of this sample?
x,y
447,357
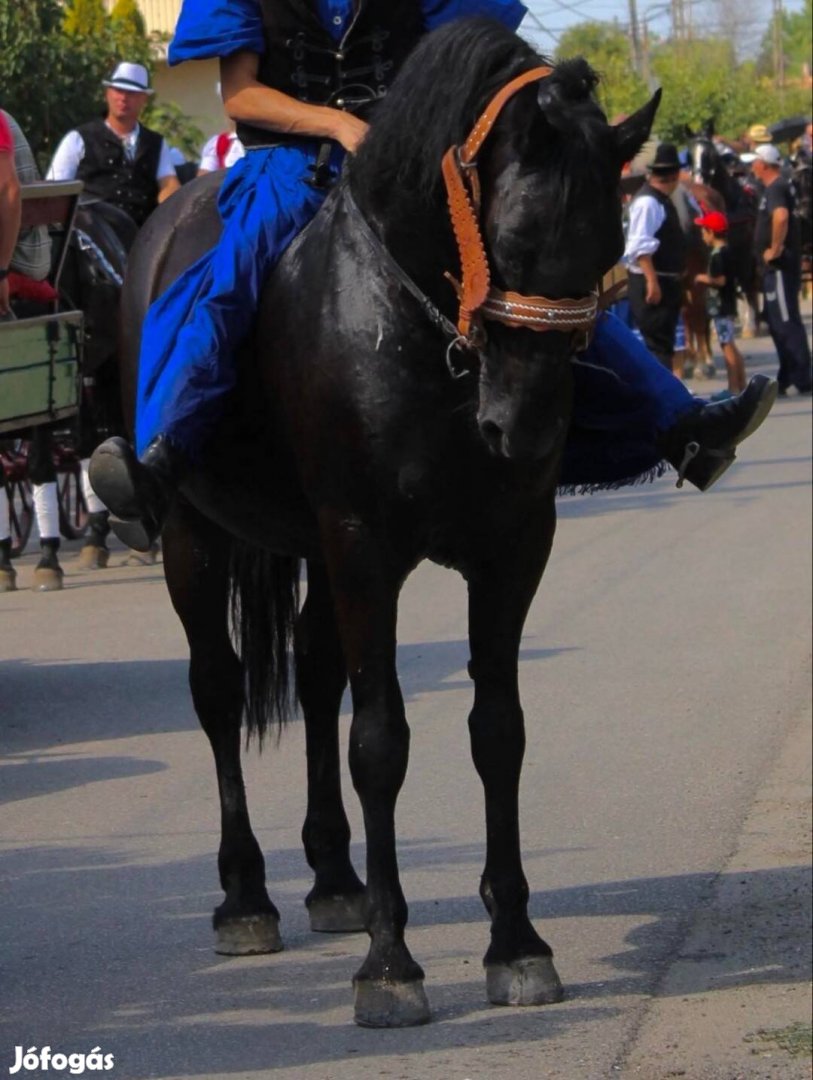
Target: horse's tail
x,y
264,602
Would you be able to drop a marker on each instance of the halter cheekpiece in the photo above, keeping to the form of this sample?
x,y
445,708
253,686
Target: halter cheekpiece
x,y
477,297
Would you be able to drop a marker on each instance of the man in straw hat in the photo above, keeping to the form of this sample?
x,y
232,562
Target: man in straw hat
x,y
119,159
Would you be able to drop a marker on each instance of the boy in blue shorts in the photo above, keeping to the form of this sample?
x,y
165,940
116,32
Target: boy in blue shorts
x,y
721,295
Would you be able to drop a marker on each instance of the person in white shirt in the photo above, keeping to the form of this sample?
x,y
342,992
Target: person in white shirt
x,y
118,159
656,256
220,152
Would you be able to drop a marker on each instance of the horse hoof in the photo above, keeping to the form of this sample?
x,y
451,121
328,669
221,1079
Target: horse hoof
x,y
525,982
8,581
381,1004
142,558
337,914
47,579
250,936
93,557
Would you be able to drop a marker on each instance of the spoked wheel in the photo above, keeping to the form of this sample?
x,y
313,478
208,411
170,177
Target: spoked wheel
x,y
21,513
73,510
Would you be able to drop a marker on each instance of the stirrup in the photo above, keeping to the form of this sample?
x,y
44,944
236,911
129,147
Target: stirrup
x,y
689,454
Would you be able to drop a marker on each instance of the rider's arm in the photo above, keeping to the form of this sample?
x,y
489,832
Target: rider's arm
x,y
247,101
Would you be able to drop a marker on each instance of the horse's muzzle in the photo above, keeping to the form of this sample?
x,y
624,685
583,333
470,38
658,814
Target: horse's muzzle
x,y
516,442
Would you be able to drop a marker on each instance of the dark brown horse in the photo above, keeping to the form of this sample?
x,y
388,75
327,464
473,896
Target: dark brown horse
x,y
361,441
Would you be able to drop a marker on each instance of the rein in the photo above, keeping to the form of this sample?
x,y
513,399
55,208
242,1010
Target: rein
x,y
477,298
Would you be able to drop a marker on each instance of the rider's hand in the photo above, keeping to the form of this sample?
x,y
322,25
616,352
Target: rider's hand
x,y
4,298
349,131
653,291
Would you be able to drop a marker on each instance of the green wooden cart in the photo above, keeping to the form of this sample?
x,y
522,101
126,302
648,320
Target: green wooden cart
x,y
41,360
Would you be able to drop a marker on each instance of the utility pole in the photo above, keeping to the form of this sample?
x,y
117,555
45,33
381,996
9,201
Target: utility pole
x,y
778,46
635,39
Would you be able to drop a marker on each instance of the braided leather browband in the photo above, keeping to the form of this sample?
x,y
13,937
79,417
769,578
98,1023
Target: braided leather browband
x,y
476,296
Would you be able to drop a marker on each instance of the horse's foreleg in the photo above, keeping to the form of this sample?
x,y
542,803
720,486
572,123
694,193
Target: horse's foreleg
x,y
196,565
519,965
389,985
336,901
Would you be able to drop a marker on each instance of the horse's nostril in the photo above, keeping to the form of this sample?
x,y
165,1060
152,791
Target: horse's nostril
x,y
492,433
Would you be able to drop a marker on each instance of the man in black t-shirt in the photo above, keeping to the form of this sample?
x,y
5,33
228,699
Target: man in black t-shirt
x,y
776,240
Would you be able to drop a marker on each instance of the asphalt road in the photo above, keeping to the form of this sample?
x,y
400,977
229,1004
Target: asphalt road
x,y
665,668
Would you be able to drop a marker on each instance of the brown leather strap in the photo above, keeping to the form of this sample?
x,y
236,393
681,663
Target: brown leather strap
x,y
538,312
472,146
476,276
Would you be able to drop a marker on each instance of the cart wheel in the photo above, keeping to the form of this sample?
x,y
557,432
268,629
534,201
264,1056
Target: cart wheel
x,y
73,510
21,513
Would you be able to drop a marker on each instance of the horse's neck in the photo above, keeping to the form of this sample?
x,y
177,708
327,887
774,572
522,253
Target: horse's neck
x,y
420,239
706,197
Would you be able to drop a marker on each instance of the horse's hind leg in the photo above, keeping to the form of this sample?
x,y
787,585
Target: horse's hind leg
x,y
196,565
519,965
336,901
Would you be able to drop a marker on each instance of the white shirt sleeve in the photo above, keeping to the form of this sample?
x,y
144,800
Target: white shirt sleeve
x,y
67,158
646,217
236,151
208,155
165,166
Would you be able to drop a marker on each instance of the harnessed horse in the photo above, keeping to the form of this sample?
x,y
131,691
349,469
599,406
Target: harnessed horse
x,y
384,417
708,169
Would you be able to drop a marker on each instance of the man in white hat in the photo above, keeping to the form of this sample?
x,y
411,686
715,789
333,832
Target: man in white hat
x,y
119,159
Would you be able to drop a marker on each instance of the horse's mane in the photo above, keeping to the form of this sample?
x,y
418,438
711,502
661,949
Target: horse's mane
x,y
442,90
438,95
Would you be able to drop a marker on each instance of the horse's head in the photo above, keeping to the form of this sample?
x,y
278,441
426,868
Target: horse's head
x,y
543,221
704,159
99,245
551,222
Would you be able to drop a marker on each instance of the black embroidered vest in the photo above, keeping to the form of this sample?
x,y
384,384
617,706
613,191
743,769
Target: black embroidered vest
x,y
670,258
305,61
106,172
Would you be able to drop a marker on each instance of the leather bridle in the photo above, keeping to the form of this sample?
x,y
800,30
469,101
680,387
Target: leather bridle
x,y
478,299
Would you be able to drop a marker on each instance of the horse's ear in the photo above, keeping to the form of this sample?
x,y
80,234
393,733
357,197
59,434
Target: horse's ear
x,y
632,133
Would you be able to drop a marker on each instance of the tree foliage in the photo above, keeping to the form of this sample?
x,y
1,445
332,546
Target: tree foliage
x,y
606,47
55,57
702,80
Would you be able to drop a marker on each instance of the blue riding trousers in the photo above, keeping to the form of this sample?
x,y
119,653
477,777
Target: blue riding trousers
x,y
193,331
192,334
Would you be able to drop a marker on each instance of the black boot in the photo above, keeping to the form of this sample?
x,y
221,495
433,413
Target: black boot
x,y
138,492
701,444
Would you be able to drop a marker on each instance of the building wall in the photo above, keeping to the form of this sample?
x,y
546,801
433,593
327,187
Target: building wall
x,y
193,86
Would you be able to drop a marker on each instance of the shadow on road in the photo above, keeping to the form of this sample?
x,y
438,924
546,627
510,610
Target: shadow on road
x,y
128,965
64,704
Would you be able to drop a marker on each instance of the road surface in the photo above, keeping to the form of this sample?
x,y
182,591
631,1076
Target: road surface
x,y
666,682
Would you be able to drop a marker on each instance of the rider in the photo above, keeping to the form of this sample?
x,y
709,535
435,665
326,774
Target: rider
x,y
288,68
118,159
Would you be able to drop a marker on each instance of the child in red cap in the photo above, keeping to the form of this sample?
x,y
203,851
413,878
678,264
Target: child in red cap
x,y
721,295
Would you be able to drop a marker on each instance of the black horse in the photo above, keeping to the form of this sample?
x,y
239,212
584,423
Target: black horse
x,y
740,206
363,439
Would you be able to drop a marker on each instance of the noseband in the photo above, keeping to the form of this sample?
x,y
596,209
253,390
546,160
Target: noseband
x,y
477,297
